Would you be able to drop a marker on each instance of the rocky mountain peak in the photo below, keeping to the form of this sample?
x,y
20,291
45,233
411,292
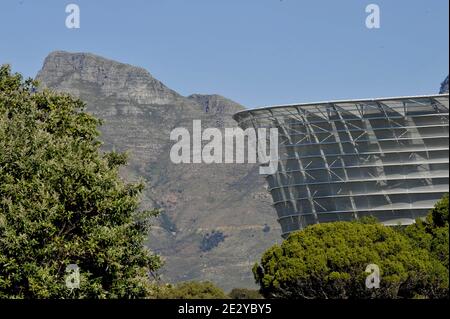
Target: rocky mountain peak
x,y
120,81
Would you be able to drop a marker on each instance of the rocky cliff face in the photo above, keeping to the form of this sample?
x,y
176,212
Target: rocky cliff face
x,y
217,219
120,81
444,86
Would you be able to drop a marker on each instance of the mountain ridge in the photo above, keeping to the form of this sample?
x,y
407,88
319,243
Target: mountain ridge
x,y
108,73
216,220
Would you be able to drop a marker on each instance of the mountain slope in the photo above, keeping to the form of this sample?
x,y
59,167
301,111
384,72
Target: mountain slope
x,y
217,219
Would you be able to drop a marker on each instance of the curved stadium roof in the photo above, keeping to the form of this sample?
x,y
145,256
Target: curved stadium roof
x,y
342,160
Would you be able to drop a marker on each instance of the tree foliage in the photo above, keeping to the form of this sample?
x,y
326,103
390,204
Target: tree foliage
x,y
438,216
329,261
432,233
62,202
191,290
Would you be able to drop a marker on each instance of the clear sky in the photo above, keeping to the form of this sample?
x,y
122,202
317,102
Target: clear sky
x,y
257,52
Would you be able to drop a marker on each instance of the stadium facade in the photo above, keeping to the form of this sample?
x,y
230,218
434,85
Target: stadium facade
x,y
342,160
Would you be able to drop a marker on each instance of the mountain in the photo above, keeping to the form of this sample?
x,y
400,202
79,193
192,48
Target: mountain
x,y
444,86
216,219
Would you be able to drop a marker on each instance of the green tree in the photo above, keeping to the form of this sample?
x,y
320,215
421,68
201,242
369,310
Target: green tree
x,y
191,290
438,216
432,233
329,261
62,202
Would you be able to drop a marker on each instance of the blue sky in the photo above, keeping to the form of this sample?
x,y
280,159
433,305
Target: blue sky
x,y
257,52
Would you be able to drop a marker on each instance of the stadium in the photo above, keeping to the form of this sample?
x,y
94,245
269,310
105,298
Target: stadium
x,y
343,160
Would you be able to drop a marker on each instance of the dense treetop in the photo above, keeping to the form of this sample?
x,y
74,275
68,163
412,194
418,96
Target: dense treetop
x,y
62,201
329,260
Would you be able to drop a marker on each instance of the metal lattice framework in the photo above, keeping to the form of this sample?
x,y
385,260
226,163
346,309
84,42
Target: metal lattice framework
x,y
347,159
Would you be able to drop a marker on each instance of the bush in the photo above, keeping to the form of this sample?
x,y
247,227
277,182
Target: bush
x,y
190,290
